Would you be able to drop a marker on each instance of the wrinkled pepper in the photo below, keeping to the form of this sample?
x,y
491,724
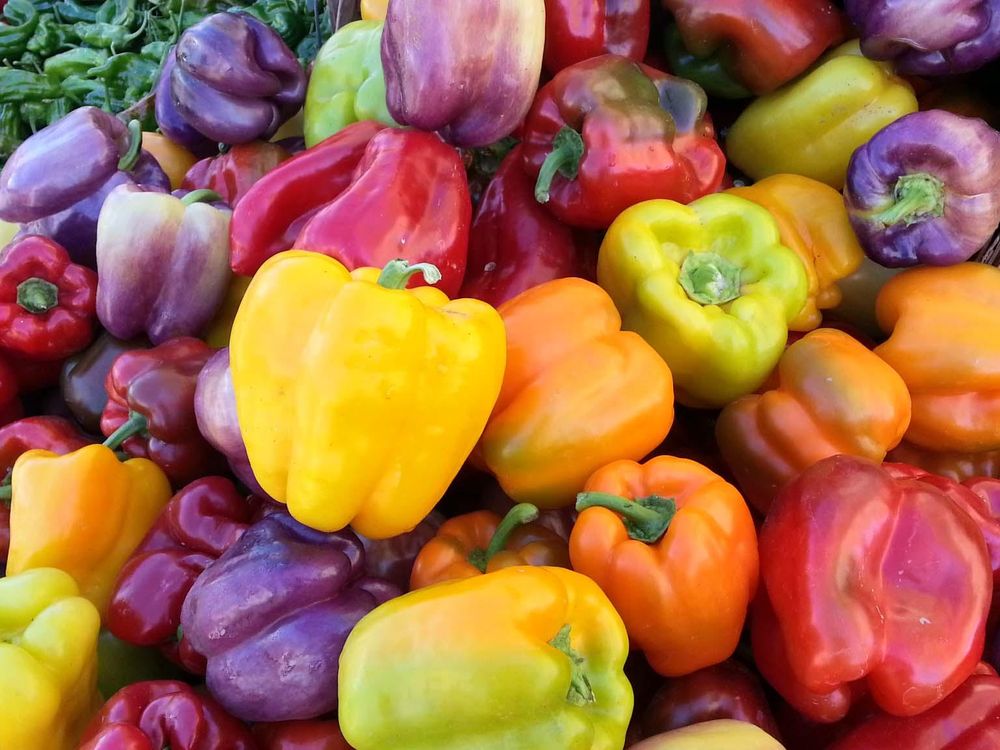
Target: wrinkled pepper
x,y
608,133
720,734
832,396
81,381
300,735
709,286
345,333
233,173
560,415
542,644
576,30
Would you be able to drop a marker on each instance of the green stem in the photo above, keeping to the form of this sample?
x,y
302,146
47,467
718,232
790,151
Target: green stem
x,y
397,273
709,278
135,424
564,159
127,162
580,690
204,195
519,515
37,296
914,197
646,519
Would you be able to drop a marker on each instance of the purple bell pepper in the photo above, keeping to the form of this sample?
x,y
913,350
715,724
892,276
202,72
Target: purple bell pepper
x,y
230,79
272,615
929,37
393,558
925,189
467,70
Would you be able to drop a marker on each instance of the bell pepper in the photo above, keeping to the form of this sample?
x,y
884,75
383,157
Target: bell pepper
x,y
635,536
542,644
608,133
48,660
709,286
561,414
871,584
374,10
922,189
576,31
344,333
721,734
347,83
233,173
832,396
216,335
120,664
156,387
515,244
392,559
196,527
49,433
467,70
174,159
271,616
81,380
813,222
300,735
952,464
164,714
813,124
939,322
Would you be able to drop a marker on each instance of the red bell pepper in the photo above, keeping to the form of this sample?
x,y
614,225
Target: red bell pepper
x,y
47,302
871,584
47,433
516,244
164,714
300,735
274,210
157,385
576,30
409,198
608,133
233,173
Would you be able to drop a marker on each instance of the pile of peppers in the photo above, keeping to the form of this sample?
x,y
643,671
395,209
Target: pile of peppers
x,y
508,375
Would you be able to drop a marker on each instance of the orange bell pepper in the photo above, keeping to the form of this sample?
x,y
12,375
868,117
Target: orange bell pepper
x,y
951,464
578,393
476,543
942,323
673,546
173,158
374,10
813,221
833,395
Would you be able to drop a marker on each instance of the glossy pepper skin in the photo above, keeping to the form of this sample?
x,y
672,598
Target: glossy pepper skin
x,y
300,735
832,396
47,302
541,643
480,89
81,381
637,528
938,321
566,351
720,734
608,133
813,222
925,189
48,660
272,614
871,584
49,433
233,173
324,378
711,288
164,713
576,30
812,125
409,198
159,385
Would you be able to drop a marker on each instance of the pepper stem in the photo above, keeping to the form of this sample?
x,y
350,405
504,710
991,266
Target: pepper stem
x,y
520,514
128,161
914,197
710,279
37,296
564,158
6,492
646,519
397,273
204,195
580,690
131,427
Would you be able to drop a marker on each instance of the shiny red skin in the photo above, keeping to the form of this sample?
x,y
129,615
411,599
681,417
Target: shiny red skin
x,y
46,433
164,713
576,30
871,584
300,735
159,383
233,173
409,198
272,213
64,329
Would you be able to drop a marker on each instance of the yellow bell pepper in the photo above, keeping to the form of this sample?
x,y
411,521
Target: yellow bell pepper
x,y
83,513
359,400
174,159
218,331
374,10
48,661
720,734
814,124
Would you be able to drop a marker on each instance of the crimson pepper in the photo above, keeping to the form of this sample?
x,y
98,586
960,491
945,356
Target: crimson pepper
x,y
300,735
48,433
154,388
161,714
576,30
47,302
233,173
608,133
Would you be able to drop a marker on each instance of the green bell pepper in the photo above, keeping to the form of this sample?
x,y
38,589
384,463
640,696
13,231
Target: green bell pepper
x,y
708,72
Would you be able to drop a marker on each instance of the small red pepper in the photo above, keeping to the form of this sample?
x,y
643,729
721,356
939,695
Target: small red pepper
x,y
576,30
233,173
300,735
47,302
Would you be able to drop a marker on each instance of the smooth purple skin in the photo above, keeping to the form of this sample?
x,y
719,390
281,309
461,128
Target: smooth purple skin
x,y
272,614
467,70
932,37
392,559
962,152
169,120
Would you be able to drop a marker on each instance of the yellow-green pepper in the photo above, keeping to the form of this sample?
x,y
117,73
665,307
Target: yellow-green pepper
x,y
711,288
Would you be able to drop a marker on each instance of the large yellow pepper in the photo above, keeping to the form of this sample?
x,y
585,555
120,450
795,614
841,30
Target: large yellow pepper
x,y
814,124
83,513
359,400
48,661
